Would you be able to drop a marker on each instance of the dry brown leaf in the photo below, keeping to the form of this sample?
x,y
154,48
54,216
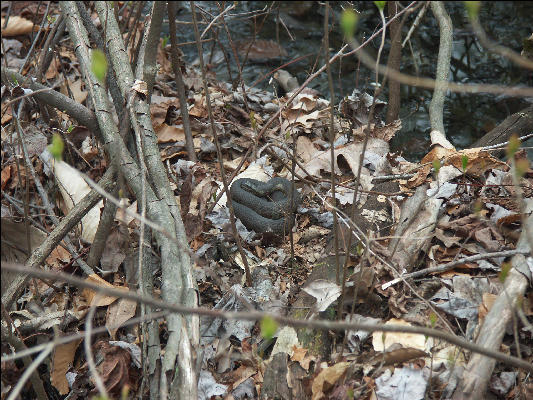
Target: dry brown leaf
x,y
305,148
300,356
17,26
388,131
115,368
6,117
383,340
486,305
102,299
396,356
58,256
478,163
166,133
118,313
61,362
199,109
6,175
327,378
79,94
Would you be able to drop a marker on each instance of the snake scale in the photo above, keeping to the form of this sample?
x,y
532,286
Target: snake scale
x,y
265,206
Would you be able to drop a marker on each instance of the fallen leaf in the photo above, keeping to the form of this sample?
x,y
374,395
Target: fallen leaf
x,y
118,313
102,299
61,362
17,26
327,378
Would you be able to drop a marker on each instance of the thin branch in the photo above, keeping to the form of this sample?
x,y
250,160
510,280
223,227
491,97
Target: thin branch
x,y
28,371
219,151
451,265
436,108
257,315
89,354
176,66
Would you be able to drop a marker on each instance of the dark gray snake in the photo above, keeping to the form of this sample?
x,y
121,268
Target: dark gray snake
x,y
265,206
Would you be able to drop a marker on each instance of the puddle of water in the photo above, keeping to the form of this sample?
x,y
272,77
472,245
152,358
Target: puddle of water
x,y
466,117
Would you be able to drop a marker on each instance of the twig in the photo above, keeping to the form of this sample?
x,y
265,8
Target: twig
x,y
31,93
26,375
54,238
332,152
436,108
35,39
415,23
513,91
89,354
14,339
504,144
80,335
220,15
501,50
257,315
176,66
219,151
449,266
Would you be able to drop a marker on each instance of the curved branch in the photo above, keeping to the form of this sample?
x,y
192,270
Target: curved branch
x,y
258,315
436,108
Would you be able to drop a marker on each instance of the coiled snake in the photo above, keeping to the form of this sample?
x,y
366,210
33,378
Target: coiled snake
x,y
265,206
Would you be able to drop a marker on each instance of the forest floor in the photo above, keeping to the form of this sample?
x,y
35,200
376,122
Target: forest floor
x,y
456,223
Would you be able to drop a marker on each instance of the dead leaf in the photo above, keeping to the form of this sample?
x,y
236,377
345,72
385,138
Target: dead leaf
x,y
73,189
140,87
18,26
118,313
61,362
115,369
102,299
327,378
6,175
166,133
115,251
397,356
324,291
486,305
76,88
383,340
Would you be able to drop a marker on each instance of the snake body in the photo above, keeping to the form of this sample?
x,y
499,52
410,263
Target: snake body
x,y
265,206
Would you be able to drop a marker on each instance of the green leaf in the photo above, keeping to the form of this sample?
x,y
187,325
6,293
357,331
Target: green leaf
x,y
513,146
380,5
478,206
472,8
436,166
506,267
253,121
164,42
433,319
464,161
56,147
349,20
99,65
360,249
70,128
125,391
268,327
521,166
